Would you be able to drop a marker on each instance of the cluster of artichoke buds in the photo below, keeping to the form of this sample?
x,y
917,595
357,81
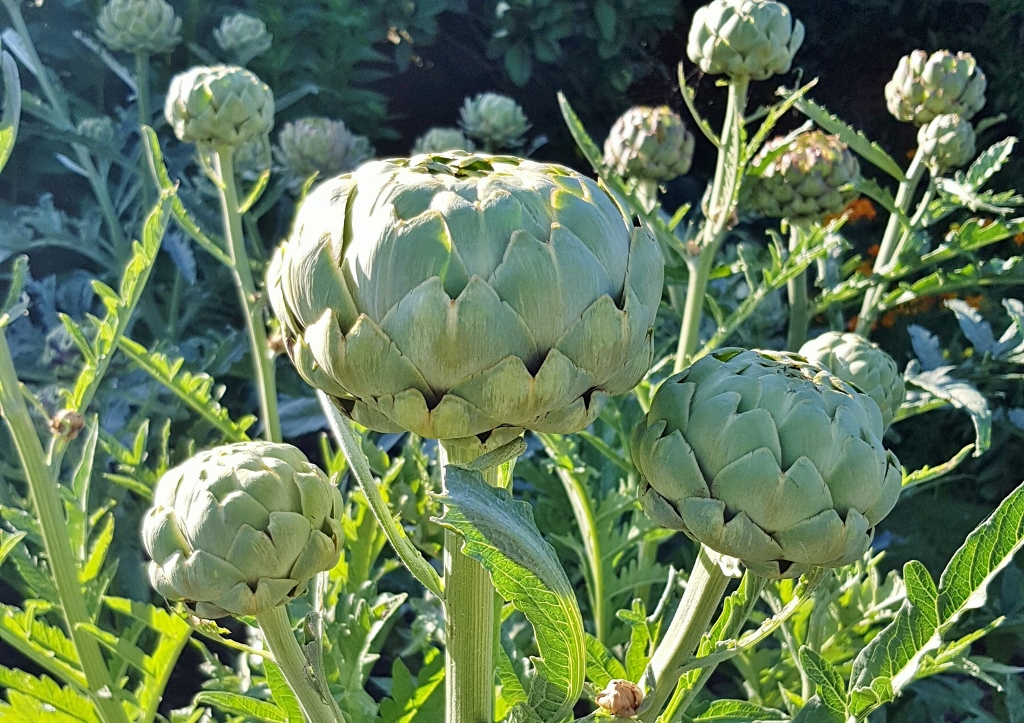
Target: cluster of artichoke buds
x,y
439,140
947,141
496,121
139,26
649,144
243,37
219,107
752,39
814,177
319,145
925,86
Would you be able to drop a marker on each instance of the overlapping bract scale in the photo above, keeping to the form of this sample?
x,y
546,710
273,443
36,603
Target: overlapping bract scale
x,y
755,39
768,458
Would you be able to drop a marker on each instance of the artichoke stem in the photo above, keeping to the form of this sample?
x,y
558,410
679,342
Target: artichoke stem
x,y
142,104
277,631
704,591
693,306
799,310
471,625
266,384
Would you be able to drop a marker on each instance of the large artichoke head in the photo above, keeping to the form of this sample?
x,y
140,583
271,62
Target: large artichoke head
x,y
439,140
219,106
863,364
139,26
319,145
243,36
495,120
925,86
457,295
649,143
947,141
766,457
753,39
241,529
814,177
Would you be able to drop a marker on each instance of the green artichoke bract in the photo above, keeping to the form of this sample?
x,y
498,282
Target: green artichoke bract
x,y
218,106
99,129
754,39
439,140
241,529
863,364
243,36
453,295
649,143
814,177
139,26
495,120
319,145
947,141
925,86
768,458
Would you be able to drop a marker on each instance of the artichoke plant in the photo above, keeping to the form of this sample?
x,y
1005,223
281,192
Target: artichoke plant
x,y
925,86
99,129
139,26
753,39
439,140
814,177
862,364
241,529
766,457
219,106
458,295
319,145
243,36
947,141
495,120
649,143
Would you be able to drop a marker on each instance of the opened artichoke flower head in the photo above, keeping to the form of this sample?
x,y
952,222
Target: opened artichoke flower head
x,y
454,294
766,457
241,529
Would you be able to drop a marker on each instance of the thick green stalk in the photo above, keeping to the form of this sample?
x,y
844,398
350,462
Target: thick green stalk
x,y
142,104
469,618
704,591
886,250
799,307
49,510
266,384
277,631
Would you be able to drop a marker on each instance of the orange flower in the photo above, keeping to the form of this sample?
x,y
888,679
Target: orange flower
x,y
889,319
873,250
857,209
1019,239
974,300
851,325
864,269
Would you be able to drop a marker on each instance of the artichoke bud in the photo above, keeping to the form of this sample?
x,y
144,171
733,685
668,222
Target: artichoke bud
x,y
99,130
439,140
925,86
495,120
753,39
862,364
467,297
650,144
319,145
139,26
947,141
241,529
243,36
219,106
768,458
814,177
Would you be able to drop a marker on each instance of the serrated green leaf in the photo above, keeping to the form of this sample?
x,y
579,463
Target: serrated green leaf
x,y
830,685
11,118
8,541
414,697
43,689
962,395
602,665
815,711
989,162
15,302
282,693
738,711
236,704
41,643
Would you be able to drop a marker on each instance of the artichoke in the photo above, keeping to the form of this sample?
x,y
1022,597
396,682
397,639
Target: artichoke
x,y
241,529
456,295
862,364
495,120
139,26
926,86
947,141
815,177
219,106
243,36
439,140
753,39
766,457
649,143
321,146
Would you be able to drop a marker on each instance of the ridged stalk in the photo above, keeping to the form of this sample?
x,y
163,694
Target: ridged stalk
x,y
142,103
799,306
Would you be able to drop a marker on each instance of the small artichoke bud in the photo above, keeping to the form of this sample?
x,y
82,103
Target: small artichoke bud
x,y
947,141
862,364
219,106
139,26
494,120
621,698
100,130
241,529
319,145
439,140
815,177
925,86
67,423
243,36
755,39
766,457
649,143
252,158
